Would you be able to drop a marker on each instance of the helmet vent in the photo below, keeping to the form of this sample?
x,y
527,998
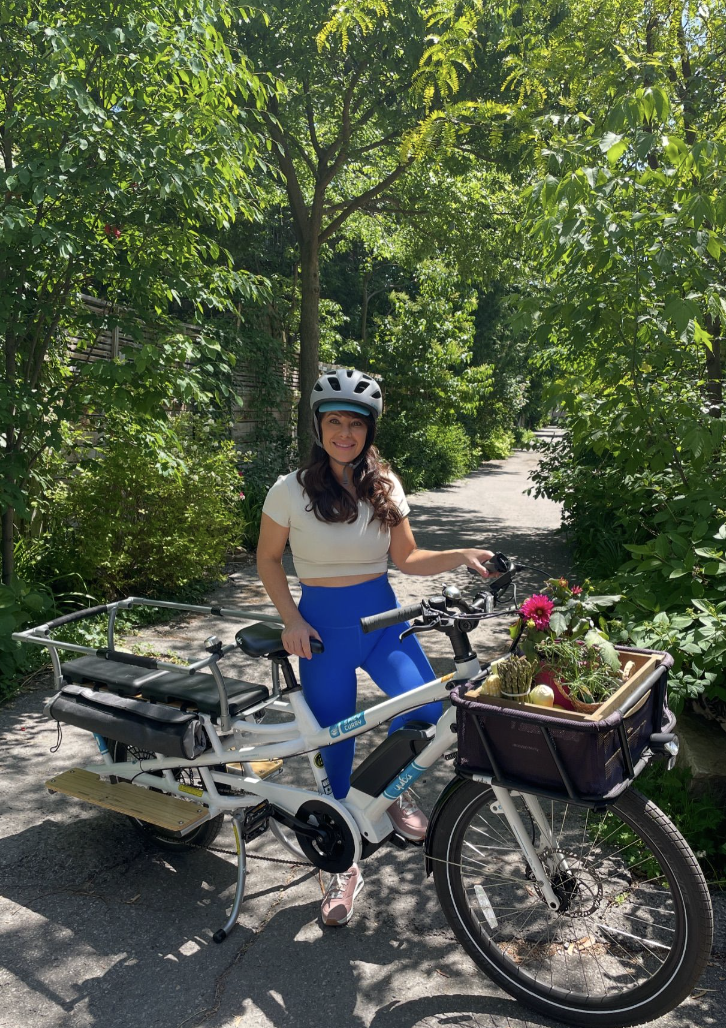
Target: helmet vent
x,y
334,384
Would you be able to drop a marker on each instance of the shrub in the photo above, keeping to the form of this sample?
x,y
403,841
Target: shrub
x,y
21,605
153,511
429,456
498,445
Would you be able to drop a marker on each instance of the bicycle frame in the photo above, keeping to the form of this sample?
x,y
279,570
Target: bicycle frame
x,y
243,740
303,735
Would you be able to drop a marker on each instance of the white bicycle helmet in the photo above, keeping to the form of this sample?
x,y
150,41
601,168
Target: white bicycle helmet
x,y
347,389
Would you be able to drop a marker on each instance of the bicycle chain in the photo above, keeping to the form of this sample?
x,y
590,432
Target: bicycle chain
x,y
250,856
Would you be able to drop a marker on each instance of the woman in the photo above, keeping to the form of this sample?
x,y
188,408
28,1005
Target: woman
x,y
344,513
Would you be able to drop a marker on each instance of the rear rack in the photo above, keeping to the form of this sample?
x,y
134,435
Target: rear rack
x,y
41,636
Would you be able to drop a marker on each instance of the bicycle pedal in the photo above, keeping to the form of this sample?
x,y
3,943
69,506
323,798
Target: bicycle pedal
x,y
255,820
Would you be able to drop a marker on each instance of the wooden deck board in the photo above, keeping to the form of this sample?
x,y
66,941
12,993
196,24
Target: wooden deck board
x,y
168,812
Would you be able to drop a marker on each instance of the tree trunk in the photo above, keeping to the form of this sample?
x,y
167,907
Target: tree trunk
x,y
309,336
8,516
364,313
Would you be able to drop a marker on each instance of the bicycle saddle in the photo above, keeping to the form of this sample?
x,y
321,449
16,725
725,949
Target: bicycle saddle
x,y
261,640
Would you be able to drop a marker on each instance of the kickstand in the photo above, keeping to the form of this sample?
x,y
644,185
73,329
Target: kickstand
x,y
237,822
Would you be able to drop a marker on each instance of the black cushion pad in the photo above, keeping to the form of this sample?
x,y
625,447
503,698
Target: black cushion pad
x,y
198,690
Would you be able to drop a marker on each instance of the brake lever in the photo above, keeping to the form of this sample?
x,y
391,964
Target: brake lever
x,y
416,629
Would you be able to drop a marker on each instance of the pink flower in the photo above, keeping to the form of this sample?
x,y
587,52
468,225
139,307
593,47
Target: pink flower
x,y
576,590
538,609
241,496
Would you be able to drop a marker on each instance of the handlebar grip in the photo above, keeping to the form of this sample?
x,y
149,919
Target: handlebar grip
x,y
390,617
77,615
316,646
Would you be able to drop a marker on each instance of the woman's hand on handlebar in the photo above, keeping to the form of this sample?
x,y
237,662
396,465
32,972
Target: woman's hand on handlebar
x,y
476,559
296,636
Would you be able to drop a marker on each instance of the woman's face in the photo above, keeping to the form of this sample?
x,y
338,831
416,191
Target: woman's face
x,y
344,435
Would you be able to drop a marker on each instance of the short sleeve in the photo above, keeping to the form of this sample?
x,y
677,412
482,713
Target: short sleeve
x,y
398,496
277,503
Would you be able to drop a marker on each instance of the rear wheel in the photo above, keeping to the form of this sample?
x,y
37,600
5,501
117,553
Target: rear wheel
x,y
202,836
634,927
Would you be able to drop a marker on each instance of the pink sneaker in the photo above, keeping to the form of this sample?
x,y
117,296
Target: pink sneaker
x,y
408,820
337,905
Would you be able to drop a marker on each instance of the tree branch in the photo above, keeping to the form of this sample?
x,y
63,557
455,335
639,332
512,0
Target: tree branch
x,y
359,201
292,185
383,141
338,146
305,156
311,121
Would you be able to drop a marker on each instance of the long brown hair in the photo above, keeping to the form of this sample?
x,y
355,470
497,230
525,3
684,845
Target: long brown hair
x,y
331,503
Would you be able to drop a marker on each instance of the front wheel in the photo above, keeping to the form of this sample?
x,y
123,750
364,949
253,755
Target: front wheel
x,y
634,928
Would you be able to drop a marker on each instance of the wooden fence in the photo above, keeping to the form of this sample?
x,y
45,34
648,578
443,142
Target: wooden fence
x,y
247,422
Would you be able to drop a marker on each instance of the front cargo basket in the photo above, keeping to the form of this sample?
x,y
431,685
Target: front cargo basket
x,y
587,759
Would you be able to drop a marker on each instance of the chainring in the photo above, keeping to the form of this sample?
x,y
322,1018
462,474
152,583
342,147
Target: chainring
x,y
335,850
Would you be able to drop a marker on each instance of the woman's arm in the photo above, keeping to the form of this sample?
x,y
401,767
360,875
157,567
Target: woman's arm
x,y
408,558
297,632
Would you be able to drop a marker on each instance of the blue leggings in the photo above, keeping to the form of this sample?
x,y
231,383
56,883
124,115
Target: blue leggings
x,y
329,679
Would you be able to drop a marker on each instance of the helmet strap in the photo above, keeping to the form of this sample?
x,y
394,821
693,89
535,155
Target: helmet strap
x,y
346,465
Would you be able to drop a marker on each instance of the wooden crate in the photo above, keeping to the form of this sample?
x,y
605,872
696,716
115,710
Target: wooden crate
x,y
644,664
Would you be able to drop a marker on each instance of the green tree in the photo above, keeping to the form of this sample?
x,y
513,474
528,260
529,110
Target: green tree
x,y
629,209
422,351
124,144
366,89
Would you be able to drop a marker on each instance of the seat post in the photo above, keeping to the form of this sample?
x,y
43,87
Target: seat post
x,y
287,672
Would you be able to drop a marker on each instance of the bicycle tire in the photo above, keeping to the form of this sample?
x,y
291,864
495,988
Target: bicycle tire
x,y
202,836
630,868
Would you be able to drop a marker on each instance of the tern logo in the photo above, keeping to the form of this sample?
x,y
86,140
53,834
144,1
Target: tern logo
x,y
318,760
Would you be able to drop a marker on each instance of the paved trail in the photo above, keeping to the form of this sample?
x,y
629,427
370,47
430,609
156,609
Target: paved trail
x,y
99,929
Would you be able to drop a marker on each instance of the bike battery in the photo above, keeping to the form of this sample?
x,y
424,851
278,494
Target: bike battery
x,y
390,758
153,727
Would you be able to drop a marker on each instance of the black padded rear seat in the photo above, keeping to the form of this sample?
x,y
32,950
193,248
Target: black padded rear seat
x,y
198,691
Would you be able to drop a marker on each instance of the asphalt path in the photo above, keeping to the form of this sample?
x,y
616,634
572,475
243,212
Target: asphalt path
x,y
100,928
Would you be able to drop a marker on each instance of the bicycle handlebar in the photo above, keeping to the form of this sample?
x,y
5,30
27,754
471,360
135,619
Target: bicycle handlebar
x,y
391,617
500,565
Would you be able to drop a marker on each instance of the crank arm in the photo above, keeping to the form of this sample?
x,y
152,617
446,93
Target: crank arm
x,y
290,821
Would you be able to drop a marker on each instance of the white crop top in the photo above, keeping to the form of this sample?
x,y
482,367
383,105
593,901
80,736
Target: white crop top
x,y
322,550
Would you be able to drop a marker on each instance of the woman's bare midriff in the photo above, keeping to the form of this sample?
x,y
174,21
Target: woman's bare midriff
x,y
338,583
